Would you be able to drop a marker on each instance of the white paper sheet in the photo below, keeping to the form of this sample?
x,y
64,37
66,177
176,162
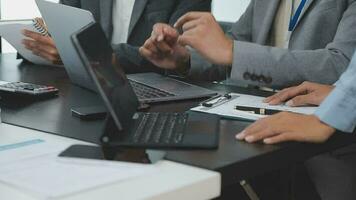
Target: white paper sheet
x,y
11,32
32,165
227,109
27,148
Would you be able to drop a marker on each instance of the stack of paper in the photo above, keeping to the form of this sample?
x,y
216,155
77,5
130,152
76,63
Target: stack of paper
x,y
227,108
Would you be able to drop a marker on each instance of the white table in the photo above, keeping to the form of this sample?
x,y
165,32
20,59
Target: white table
x,y
175,181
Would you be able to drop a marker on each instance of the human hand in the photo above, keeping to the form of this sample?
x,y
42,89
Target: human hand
x,y
285,127
203,33
163,50
304,94
42,46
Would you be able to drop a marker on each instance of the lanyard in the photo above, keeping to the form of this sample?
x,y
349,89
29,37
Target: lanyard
x,y
294,19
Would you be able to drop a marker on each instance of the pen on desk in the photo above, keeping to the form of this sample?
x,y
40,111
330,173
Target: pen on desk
x,y
219,98
254,110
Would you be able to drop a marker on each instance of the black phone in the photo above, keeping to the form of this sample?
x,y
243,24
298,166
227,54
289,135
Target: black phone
x,y
113,154
90,113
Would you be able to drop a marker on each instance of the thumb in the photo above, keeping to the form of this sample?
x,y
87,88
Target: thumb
x,y
301,100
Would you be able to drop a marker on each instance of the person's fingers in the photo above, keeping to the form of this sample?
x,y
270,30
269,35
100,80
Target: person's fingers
x,y
149,55
190,25
190,38
302,100
29,44
158,33
38,37
283,137
150,44
250,130
39,47
260,135
271,98
289,94
164,47
46,56
188,17
170,35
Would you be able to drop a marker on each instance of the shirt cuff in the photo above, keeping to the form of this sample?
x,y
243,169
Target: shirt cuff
x,y
338,111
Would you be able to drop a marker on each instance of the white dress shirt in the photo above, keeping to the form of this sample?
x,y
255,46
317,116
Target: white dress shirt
x,y
121,15
279,31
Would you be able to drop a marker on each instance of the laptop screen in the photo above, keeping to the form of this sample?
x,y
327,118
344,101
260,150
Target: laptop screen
x,y
113,86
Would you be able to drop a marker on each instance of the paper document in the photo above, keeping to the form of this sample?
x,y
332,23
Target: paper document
x,y
11,32
50,177
32,165
227,108
27,148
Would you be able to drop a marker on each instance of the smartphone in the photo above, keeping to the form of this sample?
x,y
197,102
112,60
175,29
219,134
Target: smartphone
x,y
90,113
113,154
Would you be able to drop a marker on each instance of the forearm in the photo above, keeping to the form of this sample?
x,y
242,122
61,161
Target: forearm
x,y
201,69
286,67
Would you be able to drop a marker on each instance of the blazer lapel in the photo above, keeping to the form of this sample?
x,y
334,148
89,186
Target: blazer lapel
x,y
138,9
106,7
306,8
267,22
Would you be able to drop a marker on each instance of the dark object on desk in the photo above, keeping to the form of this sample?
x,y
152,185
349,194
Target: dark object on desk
x,y
216,100
26,89
124,155
259,111
127,128
90,113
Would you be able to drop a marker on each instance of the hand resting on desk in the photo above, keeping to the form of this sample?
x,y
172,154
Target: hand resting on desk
x,y
302,95
285,126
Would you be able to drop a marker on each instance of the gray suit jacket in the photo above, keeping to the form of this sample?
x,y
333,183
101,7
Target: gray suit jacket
x,y
320,49
146,13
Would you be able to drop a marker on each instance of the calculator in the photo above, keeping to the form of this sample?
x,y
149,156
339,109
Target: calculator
x,y
26,89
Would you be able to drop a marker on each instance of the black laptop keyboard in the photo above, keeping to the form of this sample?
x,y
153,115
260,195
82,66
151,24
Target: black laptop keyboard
x,y
146,92
161,128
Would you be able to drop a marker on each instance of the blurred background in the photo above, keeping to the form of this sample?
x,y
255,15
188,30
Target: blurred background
x,y
224,10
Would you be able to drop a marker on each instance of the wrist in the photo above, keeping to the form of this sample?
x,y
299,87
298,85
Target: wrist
x,y
229,53
328,129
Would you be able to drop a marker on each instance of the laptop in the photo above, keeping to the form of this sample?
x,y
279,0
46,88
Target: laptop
x,y
146,130
62,21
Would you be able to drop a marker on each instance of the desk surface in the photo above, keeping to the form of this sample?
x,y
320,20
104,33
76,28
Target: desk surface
x,y
235,160
185,182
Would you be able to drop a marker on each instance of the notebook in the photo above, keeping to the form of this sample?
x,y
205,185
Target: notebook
x,y
10,30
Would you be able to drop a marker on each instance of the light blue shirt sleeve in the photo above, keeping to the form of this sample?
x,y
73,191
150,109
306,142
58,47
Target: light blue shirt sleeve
x,y
339,108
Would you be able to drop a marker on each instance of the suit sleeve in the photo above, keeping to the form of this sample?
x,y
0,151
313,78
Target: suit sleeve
x,y
320,65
